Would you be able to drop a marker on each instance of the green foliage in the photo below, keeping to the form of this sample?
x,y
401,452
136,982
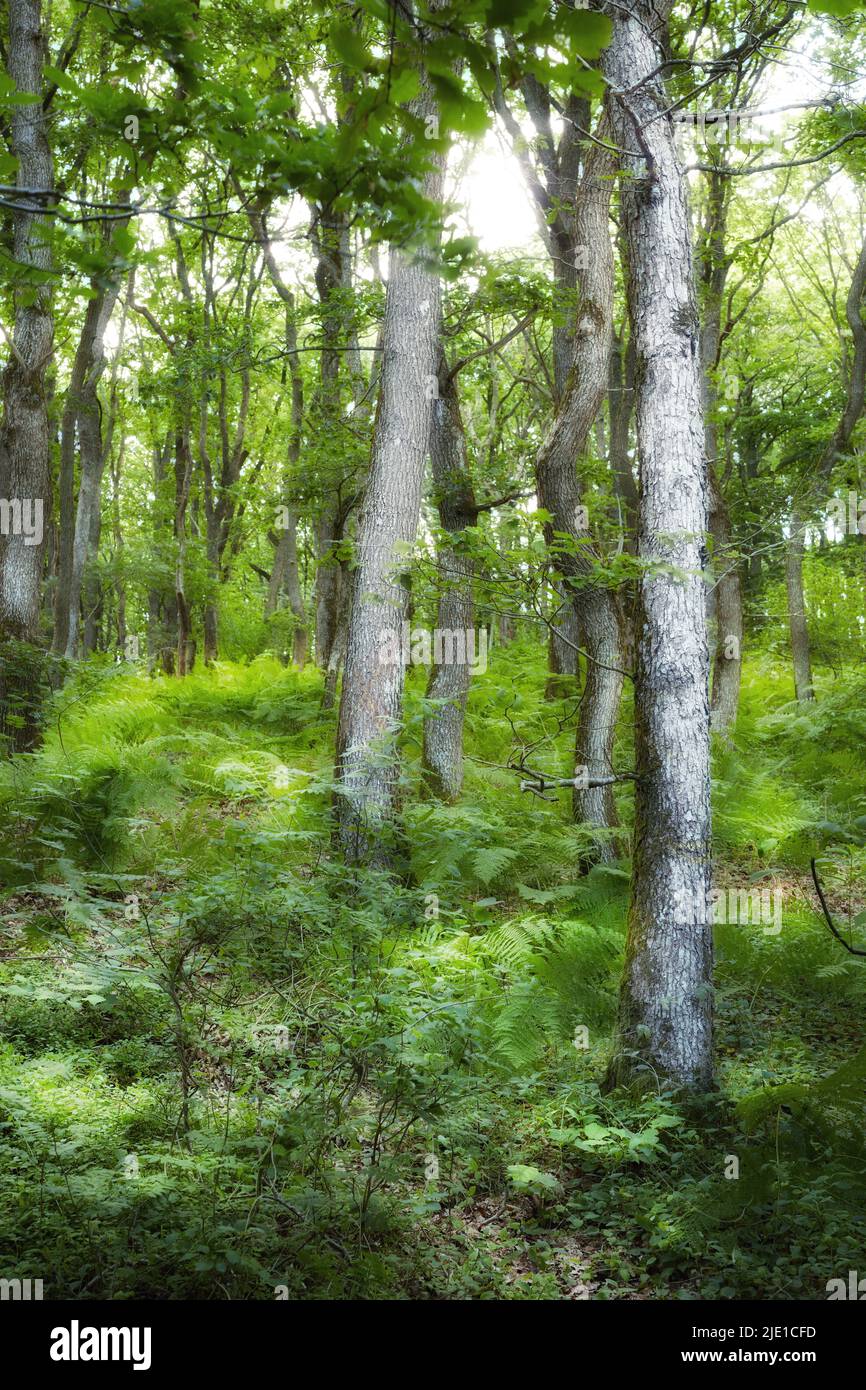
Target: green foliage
x,y
228,1066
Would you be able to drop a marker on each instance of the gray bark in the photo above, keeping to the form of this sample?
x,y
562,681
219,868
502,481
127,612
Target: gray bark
x,y
620,392
286,574
450,679
563,642
798,627
559,493
333,281
727,591
24,428
372,694
88,416
665,1024
573,211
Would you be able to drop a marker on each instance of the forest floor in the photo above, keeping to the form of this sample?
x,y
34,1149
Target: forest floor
x,y
230,1069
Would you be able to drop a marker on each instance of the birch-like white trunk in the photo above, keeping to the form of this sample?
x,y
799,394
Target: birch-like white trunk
x,y
666,1000
372,693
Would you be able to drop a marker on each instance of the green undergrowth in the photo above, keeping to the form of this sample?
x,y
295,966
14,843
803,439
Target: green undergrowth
x,y
231,1069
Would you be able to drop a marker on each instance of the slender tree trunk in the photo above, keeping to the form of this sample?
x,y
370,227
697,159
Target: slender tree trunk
x,y
285,573
88,509
800,646
372,694
92,593
338,652
559,493
326,595
333,280
83,415
183,480
727,599
161,609
665,1024
450,677
727,661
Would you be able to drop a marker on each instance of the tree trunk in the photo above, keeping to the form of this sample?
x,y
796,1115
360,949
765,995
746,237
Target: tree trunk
x,y
337,655
620,392
451,676
727,662
562,645
327,584
665,1023
25,479
24,429
285,573
372,694
83,412
183,480
726,594
800,647
117,537
559,493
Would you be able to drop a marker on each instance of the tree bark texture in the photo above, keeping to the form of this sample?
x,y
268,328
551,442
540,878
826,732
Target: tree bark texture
x,y
450,679
665,1024
24,427
559,493
372,693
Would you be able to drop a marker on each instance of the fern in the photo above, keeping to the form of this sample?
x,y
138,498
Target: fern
x,y
489,863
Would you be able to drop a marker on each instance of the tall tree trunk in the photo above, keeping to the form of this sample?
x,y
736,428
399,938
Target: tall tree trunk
x,y
333,280
371,702
727,592
559,493
117,537
727,660
800,646
338,649
326,593
450,677
25,480
286,574
83,413
91,589
183,481
665,1023
161,605
24,428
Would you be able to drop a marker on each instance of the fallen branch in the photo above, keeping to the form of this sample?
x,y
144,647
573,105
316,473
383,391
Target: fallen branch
x,y
830,923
